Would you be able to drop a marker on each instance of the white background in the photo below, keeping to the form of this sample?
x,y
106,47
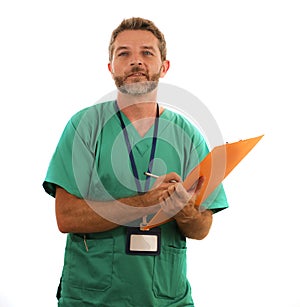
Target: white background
x,y
240,58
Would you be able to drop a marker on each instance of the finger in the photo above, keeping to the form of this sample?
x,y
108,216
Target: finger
x,y
199,185
181,193
171,177
169,207
168,192
171,188
160,184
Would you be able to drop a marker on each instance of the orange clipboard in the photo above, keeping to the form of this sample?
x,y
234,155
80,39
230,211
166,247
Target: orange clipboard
x,y
214,167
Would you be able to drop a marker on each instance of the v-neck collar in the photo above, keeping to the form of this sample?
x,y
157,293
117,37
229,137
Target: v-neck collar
x,y
132,131
142,144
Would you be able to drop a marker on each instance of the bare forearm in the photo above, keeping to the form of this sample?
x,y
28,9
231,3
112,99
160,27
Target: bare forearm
x,y
77,215
197,226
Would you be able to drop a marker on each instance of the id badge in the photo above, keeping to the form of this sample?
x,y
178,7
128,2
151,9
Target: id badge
x,y
141,242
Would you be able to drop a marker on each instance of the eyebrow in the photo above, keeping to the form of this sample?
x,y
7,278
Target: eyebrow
x,y
148,47
120,48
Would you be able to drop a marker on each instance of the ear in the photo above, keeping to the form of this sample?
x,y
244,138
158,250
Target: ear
x,y
109,66
164,68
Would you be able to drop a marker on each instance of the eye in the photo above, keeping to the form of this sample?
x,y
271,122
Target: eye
x,y
147,52
124,53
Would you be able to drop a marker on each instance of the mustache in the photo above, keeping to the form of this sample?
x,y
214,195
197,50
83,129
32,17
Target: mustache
x,y
136,69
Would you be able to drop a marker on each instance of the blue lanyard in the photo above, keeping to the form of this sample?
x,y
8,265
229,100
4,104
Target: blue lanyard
x,y
129,149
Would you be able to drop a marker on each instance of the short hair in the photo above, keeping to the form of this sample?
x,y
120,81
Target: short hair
x,y
138,23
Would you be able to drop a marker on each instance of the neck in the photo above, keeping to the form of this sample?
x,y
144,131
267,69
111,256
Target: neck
x,y
138,107
140,110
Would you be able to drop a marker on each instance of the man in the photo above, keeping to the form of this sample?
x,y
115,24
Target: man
x,y
102,195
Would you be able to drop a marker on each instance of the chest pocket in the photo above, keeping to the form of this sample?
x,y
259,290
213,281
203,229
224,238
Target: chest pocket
x,y
92,269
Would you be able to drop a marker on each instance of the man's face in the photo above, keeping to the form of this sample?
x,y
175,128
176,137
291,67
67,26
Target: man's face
x,y
136,64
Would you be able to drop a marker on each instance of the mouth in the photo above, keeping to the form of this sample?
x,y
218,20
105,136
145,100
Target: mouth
x,y
136,75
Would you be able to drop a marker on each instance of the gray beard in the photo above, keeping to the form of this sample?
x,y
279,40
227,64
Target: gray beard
x,y
138,88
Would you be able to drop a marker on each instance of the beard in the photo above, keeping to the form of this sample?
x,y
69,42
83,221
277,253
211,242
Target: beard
x,y
138,86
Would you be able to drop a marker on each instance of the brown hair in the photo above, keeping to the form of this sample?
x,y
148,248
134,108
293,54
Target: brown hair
x,y
137,23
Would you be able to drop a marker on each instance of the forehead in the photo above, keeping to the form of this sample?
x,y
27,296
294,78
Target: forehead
x,y
135,38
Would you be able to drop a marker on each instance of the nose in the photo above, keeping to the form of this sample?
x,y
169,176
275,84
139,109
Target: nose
x,y
136,63
136,60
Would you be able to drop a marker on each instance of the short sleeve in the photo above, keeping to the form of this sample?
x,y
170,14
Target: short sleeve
x,y
217,200
72,162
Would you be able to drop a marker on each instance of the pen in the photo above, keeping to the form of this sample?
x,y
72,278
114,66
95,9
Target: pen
x,y
151,175
155,176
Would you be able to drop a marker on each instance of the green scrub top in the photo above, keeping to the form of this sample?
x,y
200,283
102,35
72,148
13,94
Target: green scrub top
x,y
91,161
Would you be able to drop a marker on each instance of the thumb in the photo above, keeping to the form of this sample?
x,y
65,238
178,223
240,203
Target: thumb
x,y
199,185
